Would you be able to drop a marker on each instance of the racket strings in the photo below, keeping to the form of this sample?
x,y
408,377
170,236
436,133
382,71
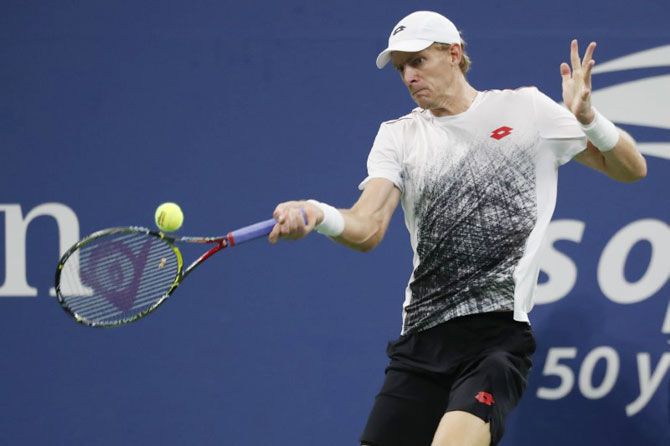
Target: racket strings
x,y
117,277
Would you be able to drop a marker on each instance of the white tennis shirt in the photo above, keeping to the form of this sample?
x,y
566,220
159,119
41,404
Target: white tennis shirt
x,y
478,193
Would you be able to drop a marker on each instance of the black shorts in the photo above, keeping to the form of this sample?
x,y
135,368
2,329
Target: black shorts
x,y
478,364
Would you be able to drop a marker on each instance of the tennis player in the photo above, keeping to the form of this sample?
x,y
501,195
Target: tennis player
x,y
476,172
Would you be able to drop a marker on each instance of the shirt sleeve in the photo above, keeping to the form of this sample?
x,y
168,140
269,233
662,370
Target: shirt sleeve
x,y
384,159
558,127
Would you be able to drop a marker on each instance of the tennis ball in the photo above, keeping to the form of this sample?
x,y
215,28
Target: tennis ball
x,y
169,217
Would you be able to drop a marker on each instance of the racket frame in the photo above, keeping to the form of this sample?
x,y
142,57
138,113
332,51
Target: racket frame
x,y
233,238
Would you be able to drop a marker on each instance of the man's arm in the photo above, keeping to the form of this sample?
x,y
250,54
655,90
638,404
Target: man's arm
x,y
364,224
622,162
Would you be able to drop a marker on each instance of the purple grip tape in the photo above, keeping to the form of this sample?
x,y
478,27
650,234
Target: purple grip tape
x,y
254,231
257,230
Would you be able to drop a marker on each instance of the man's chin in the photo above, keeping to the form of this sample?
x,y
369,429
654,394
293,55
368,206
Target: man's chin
x,y
421,100
423,104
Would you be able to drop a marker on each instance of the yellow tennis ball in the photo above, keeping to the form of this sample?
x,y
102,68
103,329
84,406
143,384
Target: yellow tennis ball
x,y
169,217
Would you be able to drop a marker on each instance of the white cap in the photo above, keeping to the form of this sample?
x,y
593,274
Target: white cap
x,y
418,31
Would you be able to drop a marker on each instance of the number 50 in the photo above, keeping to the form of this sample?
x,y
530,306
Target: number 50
x,y
552,367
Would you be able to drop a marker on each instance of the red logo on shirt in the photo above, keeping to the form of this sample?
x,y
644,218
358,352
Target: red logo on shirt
x,y
501,132
485,398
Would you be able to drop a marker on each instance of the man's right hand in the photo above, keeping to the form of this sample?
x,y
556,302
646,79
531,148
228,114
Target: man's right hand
x,y
291,224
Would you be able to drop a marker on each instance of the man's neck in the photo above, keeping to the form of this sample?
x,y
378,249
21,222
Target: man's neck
x,y
457,102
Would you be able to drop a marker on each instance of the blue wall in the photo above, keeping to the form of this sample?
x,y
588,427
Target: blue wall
x,y
109,108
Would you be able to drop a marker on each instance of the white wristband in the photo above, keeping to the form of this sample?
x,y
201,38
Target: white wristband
x,y
333,221
601,132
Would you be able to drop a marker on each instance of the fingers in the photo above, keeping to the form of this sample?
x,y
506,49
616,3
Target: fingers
x,y
574,55
577,82
588,54
566,74
291,222
274,235
587,73
581,69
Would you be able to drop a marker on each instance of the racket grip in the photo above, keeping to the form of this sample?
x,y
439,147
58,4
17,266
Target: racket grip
x,y
256,230
252,232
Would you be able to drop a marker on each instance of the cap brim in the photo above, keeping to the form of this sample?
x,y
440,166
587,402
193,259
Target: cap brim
x,y
406,46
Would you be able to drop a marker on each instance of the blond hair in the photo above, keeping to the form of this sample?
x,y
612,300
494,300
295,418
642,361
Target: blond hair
x,y
465,62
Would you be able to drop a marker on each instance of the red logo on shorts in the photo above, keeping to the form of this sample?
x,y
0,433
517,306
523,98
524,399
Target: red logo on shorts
x,y
485,398
501,132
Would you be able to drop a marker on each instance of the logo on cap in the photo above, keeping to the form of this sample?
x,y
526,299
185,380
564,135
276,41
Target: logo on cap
x,y
398,29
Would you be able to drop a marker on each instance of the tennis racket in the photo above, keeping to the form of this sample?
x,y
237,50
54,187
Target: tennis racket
x,y
119,275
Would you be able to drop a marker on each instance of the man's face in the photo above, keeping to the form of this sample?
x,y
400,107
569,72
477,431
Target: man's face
x,y
427,74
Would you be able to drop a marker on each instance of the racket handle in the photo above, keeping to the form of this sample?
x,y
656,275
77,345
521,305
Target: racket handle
x,y
252,232
255,231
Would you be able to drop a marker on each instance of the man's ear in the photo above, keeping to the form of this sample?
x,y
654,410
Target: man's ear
x,y
456,53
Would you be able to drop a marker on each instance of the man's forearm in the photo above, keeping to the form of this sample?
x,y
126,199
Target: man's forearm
x,y
624,162
366,222
361,232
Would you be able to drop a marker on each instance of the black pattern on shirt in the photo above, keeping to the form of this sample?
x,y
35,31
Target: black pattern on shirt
x,y
473,222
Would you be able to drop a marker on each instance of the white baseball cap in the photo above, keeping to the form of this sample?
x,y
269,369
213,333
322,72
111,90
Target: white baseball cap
x,y
418,31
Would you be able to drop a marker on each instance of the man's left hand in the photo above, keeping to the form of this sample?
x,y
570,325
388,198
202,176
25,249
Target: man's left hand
x,y
577,83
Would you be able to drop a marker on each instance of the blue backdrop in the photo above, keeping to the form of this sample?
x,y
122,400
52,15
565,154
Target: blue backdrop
x,y
109,108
